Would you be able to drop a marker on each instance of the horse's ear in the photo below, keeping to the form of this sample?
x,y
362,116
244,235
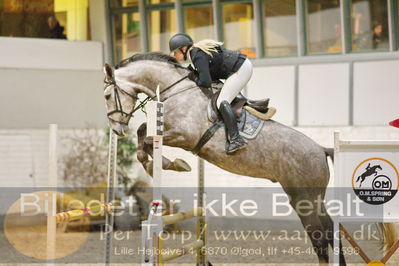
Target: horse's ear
x,y
109,72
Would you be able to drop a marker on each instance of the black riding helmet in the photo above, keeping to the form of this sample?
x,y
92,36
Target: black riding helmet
x,y
178,41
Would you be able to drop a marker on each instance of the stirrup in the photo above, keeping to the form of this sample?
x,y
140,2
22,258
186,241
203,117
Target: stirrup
x,y
236,148
235,145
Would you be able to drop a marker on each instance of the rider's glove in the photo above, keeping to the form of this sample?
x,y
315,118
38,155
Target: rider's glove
x,y
191,68
193,75
217,84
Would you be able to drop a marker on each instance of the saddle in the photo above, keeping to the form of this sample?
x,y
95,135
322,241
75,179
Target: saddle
x,y
259,108
250,115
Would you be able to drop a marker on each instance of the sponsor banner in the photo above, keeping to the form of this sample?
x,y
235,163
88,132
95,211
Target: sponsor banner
x,y
369,172
375,181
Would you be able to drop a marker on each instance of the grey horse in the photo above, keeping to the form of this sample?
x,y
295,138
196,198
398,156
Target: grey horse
x,y
279,153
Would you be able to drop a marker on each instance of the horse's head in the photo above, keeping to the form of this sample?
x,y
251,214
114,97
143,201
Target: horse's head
x,y
120,99
141,73
378,167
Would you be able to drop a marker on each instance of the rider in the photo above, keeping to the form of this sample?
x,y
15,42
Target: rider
x,y
212,62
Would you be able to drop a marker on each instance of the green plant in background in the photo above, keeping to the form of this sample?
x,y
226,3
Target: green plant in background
x,y
125,156
85,155
83,161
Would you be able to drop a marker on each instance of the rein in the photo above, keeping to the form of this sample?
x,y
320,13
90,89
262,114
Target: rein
x,y
126,116
118,104
146,100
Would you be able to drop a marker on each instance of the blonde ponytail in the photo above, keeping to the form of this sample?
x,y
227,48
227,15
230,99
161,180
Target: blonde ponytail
x,y
208,46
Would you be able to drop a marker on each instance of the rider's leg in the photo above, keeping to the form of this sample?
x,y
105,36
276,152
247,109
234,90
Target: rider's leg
x,y
235,141
233,85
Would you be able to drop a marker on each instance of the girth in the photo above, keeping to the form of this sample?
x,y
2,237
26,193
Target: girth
x,y
208,134
237,106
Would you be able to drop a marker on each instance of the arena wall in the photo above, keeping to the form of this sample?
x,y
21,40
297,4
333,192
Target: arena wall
x,y
51,81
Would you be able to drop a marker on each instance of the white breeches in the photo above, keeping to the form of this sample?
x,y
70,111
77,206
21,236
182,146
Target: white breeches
x,y
235,83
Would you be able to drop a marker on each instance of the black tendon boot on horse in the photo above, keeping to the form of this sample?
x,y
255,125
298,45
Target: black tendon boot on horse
x,y
235,141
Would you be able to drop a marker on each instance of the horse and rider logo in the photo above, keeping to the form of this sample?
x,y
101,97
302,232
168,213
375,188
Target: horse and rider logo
x,y
369,171
375,181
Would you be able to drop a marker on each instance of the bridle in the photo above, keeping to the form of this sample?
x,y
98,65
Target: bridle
x,y
118,105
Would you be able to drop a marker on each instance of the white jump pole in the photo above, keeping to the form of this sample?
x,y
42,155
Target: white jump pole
x,y
110,198
52,197
152,244
152,228
201,221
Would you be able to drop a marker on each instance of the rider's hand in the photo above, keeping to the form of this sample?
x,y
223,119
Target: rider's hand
x,y
193,75
191,68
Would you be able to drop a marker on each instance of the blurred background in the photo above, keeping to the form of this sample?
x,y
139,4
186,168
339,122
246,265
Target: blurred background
x,y
326,65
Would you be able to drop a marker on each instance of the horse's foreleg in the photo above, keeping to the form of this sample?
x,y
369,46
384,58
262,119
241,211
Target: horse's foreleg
x,y
145,149
142,155
178,165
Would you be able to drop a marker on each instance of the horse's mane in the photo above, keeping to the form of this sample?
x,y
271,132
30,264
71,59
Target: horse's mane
x,y
154,56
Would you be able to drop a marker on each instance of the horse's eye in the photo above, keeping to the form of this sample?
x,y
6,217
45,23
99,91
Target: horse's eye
x,y
107,96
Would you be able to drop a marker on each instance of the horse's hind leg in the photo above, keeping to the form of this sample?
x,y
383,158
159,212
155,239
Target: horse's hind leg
x,y
311,222
361,181
145,149
328,225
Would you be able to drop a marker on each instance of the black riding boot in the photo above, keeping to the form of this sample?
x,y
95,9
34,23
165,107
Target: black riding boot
x,y
235,141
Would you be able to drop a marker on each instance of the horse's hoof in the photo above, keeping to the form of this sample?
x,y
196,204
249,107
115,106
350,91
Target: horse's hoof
x,y
180,165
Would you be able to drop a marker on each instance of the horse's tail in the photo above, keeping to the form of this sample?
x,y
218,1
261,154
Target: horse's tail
x,y
329,153
389,235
